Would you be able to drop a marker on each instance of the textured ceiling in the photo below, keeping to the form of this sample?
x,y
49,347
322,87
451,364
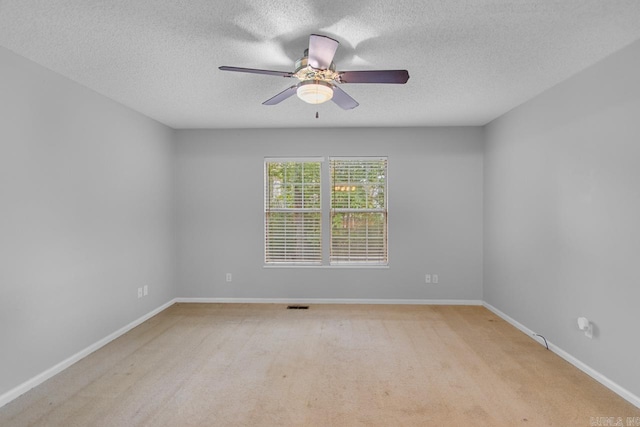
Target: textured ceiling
x,y
470,61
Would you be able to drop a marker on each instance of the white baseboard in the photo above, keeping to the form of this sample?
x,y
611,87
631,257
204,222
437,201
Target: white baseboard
x,y
329,301
613,386
43,376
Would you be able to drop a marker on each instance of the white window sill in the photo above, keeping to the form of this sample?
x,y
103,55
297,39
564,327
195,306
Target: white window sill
x,y
372,266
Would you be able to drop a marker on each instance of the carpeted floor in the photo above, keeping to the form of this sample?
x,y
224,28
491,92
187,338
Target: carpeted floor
x,y
330,365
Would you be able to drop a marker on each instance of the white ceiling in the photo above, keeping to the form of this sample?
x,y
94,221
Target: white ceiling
x,y
470,61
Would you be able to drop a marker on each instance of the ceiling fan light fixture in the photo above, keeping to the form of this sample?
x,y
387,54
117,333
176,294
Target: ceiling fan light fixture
x,y
315,91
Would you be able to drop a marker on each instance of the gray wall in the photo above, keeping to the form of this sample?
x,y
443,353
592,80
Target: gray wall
x,y
562,215
435,213
85,218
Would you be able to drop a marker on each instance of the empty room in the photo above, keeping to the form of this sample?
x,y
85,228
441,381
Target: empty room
x,y
328,213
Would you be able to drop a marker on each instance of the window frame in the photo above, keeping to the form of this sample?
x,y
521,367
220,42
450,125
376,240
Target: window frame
x,y
326,193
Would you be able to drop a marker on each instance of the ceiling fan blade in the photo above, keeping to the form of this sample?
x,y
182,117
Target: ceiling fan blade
x,y
343,100
374,76
256,71
321,51
281,96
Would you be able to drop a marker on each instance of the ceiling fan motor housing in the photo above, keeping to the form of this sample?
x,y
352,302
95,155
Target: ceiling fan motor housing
x,y
305,72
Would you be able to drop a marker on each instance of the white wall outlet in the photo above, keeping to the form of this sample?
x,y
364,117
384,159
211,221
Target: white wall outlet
x,y
145,291
585,325
139,292
427,278
228,277
435,278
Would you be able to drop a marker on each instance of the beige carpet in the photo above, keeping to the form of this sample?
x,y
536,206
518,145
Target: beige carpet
x,y
330,365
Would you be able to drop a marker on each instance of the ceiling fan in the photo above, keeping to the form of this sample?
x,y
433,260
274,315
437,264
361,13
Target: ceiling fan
x,y
318,78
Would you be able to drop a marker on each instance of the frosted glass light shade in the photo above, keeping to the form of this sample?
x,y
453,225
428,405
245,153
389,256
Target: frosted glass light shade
x,y
315,92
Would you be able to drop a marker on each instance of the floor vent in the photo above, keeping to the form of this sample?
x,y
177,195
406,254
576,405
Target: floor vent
x,y
297,307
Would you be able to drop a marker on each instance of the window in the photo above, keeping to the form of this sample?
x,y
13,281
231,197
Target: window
x,y
352,217
358,211
293,216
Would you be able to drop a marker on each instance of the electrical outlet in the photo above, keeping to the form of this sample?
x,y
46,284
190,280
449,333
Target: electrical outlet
x,y
145,291
139,292
228,277
427,278
434,278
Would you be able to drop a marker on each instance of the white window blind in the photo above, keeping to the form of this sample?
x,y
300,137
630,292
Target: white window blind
x,y
293,211
358,211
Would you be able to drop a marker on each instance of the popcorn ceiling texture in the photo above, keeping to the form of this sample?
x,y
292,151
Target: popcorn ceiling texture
x,y
469,61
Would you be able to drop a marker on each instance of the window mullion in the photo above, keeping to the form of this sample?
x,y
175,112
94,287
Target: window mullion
x,y
326,194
